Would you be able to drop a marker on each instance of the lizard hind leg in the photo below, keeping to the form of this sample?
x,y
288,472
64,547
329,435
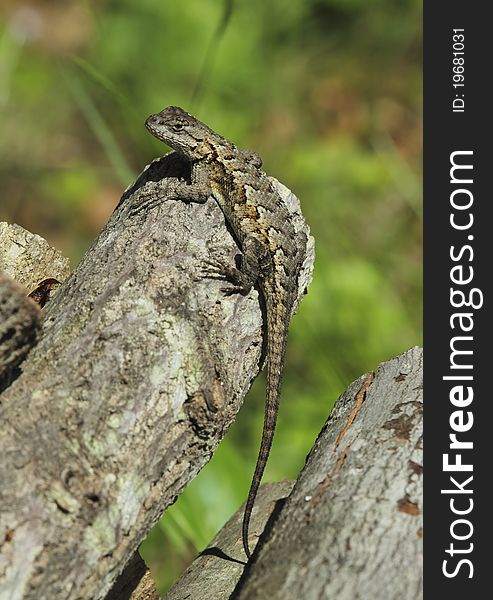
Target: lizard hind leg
x,y
254,263
219,268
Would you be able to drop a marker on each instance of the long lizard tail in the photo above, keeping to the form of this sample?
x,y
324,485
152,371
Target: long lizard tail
x,y
277,328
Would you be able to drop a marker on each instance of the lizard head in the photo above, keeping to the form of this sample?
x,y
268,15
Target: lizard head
x,y
181,131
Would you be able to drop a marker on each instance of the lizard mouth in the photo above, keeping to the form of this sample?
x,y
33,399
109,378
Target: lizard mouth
x,y
153,121
155,125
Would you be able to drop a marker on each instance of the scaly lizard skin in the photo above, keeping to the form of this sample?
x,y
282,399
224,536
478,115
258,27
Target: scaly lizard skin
x,y
272,251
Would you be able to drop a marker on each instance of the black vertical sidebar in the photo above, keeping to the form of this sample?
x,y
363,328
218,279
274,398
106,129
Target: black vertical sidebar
x,y
458,258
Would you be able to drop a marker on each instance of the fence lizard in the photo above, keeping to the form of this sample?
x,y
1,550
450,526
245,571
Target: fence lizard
x,y
272,250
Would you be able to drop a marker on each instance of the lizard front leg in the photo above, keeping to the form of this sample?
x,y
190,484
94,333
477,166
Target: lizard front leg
x,y
197,191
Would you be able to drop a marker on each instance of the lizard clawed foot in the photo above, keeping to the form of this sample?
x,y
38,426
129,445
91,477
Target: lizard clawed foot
x,y
219,269
146,202
156,193
213,268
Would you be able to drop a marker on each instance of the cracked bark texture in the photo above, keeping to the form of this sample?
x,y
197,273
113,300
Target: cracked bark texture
x,y
140,368
351,528
28,259
19,327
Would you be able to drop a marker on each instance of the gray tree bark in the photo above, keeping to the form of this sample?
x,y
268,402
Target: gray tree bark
x,y
351,528
28,259
140,368
25,261
216,572
19,327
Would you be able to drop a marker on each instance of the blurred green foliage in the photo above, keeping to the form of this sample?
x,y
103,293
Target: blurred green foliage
x,y
327,91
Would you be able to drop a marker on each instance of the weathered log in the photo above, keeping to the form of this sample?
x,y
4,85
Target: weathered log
x,y
217,570
141,366
28,259
25,261
352,526
19,327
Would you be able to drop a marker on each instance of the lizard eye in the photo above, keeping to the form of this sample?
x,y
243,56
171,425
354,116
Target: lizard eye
x,y
177,126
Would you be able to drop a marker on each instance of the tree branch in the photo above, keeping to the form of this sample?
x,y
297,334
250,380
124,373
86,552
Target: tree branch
x,y
352,526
